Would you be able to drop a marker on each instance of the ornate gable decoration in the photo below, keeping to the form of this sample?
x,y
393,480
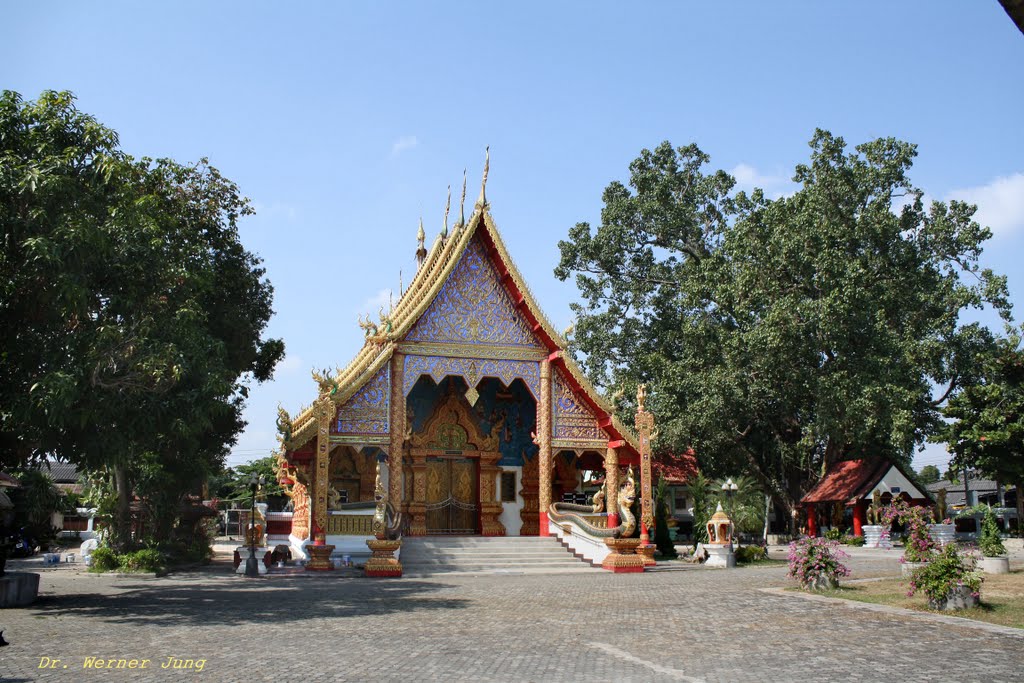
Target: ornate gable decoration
x,y
473,308
455,427
367,411
573,420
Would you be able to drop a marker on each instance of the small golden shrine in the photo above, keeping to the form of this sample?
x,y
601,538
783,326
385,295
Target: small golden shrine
x,y
720,528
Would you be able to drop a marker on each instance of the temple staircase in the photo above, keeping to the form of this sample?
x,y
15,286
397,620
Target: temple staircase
x,y
429,555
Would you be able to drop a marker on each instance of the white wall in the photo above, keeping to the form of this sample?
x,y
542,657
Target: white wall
x,y
895,478
510,511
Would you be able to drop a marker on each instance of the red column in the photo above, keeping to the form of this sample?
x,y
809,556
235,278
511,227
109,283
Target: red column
x,y
859,517
812,521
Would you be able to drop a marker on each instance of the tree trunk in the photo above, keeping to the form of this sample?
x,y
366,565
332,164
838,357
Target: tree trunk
x,y
123,517
1020,506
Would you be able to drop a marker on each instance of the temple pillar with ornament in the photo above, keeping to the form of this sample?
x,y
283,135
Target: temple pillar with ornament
x,y
544,444
611,474
812,520
644,424
320,551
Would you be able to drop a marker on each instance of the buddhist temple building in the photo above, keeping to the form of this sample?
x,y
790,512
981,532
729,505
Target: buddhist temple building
x,y
463,400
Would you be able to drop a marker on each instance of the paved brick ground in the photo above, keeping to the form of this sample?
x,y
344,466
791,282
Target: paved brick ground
x,y
699,625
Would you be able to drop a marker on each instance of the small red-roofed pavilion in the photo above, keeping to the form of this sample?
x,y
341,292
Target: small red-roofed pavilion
x,y
852,483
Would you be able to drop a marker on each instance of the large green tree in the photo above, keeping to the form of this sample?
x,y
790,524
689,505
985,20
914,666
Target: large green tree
x,y
131,316
986,428
780,335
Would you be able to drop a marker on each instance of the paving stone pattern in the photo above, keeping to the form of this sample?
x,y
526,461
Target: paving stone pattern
x,y
700,625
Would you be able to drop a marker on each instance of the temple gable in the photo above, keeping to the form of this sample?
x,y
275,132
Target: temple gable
x,y
473,307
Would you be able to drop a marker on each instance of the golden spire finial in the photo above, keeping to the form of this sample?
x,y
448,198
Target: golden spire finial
x,y
421,250
401,284
462,202
482,202
447,207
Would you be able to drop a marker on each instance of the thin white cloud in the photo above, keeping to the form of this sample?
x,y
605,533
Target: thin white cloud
x,y
381,299
774,185
406,142
275,211
1000,204
289,364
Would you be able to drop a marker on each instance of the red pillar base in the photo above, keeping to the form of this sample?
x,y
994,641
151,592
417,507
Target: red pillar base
x,y
613,520
543,524
812,521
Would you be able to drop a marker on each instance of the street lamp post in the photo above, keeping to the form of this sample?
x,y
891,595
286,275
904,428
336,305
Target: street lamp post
x,y
729,489
252,568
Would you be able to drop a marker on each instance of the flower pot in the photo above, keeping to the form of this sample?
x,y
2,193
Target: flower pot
x,y
873,537
821,583
995,565
942,533
958,598
908,568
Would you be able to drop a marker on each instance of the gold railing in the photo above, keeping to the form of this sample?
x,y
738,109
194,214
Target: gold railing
x,y
350,525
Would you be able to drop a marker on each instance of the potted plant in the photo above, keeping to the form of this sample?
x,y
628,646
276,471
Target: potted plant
x,y
918,546
817,563
949,580
994,559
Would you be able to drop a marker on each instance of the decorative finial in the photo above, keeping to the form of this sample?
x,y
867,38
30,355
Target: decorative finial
x,y
447,206
641,396
462,202
401,285
421,251
482,202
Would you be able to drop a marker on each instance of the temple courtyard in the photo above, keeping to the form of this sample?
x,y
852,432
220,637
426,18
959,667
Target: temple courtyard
x,y
690,624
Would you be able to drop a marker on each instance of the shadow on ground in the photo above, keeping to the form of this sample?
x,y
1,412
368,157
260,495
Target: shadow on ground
x,y
280,600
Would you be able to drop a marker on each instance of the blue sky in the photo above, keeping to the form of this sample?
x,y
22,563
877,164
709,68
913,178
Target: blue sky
x,y
345,123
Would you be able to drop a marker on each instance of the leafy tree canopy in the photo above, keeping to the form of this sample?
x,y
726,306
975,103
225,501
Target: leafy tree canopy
x,y
779,335
986,428
929,474
131,315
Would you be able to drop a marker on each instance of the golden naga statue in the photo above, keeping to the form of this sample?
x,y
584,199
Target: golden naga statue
x,y
284,424
326,383
368,326
641,396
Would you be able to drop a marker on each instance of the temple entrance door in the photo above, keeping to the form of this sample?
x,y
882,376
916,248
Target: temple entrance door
x,y
452,505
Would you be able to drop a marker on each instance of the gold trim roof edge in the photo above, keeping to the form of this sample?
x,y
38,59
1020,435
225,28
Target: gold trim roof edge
x,y
430,277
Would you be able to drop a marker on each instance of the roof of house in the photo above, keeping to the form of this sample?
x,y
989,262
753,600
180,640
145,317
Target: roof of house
x,y
431,276
850,480
8,481
972,485
60,472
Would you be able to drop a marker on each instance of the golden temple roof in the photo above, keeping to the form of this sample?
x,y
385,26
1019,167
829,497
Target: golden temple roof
x,y
430,277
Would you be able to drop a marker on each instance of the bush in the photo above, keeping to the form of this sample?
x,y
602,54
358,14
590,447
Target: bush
x,y
853,540
148,560
947,570
813,561
751,553
834,534
104,560
989,542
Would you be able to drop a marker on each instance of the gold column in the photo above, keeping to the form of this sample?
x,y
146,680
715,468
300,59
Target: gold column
x,y
611,485
644,423
325,413
544,443
418,506
397,422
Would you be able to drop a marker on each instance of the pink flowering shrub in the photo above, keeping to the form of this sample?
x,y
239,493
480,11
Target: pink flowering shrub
x,y
918,545
948,570
814,561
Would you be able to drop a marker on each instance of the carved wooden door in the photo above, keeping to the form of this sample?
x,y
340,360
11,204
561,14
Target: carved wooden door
x,y
452,496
